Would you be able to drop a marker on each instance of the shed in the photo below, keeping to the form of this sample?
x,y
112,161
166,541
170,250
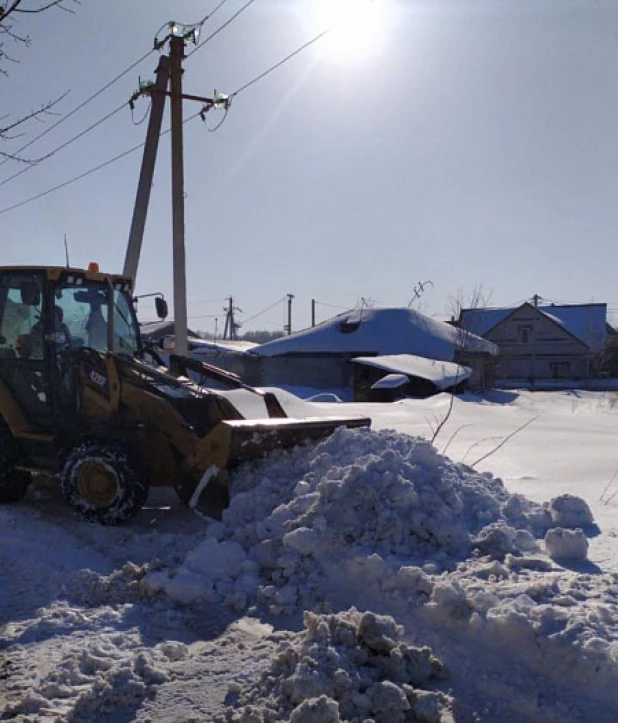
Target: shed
x,y
373,376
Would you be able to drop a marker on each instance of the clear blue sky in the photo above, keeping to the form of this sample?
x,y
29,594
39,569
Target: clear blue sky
x,y
475,144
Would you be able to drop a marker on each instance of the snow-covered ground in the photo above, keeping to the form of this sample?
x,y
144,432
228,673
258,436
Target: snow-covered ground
x,y
373,577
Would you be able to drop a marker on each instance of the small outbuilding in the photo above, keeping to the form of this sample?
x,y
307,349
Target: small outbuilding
x,y
389,378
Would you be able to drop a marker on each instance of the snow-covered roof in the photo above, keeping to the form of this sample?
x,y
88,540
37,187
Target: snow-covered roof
x,y
158,329
391,381
442,374
585,321
224,346
380,331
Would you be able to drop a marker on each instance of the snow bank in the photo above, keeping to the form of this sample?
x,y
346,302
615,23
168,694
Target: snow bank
x,y
344,667
370,506
383,519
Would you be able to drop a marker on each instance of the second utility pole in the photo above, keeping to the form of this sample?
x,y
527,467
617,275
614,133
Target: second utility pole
x,y
177,48
289,324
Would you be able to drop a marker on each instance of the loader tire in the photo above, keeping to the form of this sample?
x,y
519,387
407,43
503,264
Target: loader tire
x,y
13,482
103,482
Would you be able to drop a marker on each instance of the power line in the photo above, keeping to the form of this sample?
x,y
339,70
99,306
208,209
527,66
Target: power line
x,y
219,29
102,120
87,173
108,85
332,306
212,12
141,145
64,145
268,308
198,24
79,107
72,180
280,63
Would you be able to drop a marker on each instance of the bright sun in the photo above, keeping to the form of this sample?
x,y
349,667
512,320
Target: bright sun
x,y
356,27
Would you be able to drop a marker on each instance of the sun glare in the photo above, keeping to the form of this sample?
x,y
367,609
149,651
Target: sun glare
x,y
356,27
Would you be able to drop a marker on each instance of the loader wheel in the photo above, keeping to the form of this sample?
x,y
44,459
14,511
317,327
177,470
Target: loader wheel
x,y
103,482
13,482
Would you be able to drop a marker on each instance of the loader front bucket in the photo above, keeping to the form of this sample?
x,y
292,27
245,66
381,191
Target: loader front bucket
x,y
234,442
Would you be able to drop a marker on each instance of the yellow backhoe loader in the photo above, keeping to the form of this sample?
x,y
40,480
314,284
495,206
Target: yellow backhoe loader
x,y
83,400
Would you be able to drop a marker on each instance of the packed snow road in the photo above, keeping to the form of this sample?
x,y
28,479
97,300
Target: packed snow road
x,y
368,578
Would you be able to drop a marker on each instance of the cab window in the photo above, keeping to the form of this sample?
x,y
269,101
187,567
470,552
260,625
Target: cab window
x,y
125,325
21,331
81,312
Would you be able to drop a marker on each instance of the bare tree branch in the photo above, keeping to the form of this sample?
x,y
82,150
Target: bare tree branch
x,y
445,419
15,7
44,111
478,443
452,437
9,9
609,484
504,441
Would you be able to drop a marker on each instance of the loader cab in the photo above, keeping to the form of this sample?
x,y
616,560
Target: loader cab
x,y
47,315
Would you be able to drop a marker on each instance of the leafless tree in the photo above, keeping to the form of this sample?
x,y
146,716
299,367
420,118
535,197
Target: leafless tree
x,y
476,299
11,33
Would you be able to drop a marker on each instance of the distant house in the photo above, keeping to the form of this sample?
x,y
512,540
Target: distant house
x,y
543,342
322,357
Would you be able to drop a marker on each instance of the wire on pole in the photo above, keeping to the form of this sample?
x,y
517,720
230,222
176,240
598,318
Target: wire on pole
x,y
64,145
88,172
79,107
220,28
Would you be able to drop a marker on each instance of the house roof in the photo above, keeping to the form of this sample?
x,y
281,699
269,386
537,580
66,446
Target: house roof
x,y
587,322
158,329
380,332
442,374
224,346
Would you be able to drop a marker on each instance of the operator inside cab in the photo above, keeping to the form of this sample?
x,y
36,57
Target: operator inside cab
x,y
61,335
96,328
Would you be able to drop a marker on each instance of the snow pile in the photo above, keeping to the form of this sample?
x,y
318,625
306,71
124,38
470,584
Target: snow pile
x,y
570,511
564,544
349,666
378,508
112,669
381,520
561,625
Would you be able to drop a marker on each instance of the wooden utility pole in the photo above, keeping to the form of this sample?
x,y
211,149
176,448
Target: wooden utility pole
x,y
312,312
142,197
177,53
170,69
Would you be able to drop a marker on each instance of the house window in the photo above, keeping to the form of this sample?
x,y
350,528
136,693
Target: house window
x,y
525,333
560,370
